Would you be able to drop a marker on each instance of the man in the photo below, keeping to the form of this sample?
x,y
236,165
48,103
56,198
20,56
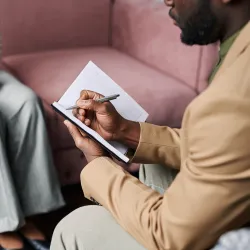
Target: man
x,y
210,195
28,180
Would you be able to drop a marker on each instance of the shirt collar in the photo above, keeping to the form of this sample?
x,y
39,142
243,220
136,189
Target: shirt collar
x,y
226,45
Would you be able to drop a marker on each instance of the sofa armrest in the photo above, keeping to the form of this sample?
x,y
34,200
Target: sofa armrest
x,y
35,25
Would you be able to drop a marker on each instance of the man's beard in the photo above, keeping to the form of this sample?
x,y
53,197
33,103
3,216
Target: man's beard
x,y
201,27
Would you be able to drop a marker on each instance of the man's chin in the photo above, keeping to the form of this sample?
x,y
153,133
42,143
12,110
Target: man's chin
x,y
187,42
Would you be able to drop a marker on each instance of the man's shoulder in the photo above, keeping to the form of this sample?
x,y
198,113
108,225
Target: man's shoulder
x,y
234,79
232,87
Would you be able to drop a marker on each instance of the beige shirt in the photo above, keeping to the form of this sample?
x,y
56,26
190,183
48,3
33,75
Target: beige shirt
x,y
211,194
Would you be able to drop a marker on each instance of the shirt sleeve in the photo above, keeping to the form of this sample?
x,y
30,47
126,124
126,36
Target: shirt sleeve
x,y
159,145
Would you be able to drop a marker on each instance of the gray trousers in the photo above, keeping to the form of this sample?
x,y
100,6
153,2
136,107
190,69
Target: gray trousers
x,y
28,180
94,228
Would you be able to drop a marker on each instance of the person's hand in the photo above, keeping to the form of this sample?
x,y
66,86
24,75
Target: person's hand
x,y
101,117
90,148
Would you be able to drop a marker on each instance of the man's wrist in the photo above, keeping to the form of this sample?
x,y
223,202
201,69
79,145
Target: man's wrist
x,y
129,133
91,158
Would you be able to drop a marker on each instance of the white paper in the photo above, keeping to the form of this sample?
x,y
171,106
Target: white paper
x,y
93,78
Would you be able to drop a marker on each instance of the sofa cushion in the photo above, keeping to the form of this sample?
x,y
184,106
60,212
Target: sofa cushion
x,y
35,25
144,30
49,74
69,163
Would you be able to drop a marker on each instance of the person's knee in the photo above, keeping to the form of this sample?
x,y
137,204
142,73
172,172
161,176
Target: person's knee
x,y
64,231
28,104
20,97
67,223
13,87
28,96
91,227
83,214
82,225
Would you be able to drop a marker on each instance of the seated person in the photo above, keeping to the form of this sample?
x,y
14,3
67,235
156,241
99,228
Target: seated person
x,y
28,180
211,194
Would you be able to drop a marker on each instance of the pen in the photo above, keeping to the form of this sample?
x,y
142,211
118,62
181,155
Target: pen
x,y
103,99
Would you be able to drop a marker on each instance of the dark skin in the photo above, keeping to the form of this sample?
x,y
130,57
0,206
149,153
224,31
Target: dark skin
x,y
106,121
201,22
227,16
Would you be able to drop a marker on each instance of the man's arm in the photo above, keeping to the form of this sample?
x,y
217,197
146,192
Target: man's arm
x,y
209,196
153,144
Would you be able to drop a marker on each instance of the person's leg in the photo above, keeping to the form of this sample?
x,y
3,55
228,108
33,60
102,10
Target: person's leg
x,y
29,182
11,216
92,228
89,227
29,152
156,176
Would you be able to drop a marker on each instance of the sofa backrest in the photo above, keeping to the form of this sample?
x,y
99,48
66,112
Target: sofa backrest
x,y
35,25
143,29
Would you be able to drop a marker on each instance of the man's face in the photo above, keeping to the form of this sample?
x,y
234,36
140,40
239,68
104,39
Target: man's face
x,y
196,19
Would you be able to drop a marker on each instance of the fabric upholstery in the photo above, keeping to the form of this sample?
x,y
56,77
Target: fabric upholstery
x,y
144,30
0,46
49,74
35,25
69,163
1,66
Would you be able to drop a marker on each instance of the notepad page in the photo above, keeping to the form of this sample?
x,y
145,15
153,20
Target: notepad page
x,y
91,132
93,78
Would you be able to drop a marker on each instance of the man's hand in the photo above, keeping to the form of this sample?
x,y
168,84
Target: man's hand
x,y
105,120
101,117
90,148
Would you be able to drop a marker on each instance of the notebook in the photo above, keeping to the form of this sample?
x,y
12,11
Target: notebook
x,y
93,78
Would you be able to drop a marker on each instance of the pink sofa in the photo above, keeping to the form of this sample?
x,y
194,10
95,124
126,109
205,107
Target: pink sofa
x,y
47,43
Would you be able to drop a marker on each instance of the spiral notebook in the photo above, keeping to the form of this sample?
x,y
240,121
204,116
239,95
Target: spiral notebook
x,y
93,78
